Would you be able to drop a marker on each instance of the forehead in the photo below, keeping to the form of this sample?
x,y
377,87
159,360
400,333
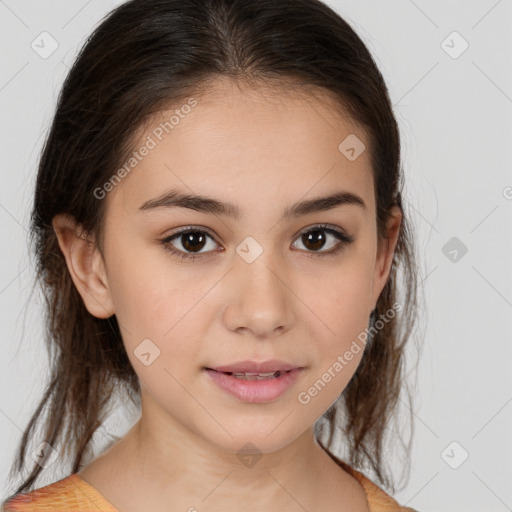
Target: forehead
x,y
254,143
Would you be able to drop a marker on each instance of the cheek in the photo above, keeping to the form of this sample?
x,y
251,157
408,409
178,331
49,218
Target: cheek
x,y
339,320
161,322
171,316
339,300
151,291
161,314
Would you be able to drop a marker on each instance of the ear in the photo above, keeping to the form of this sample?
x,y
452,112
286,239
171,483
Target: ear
x,y
385,253
85,265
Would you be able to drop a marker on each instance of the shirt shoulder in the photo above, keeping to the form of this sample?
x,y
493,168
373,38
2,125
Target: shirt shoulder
x,y
378,499
70,494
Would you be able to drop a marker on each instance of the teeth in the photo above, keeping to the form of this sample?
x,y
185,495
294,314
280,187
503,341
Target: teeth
x,y
257,376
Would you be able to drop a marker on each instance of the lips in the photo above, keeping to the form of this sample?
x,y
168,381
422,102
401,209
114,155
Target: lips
x,y
254,367
255,381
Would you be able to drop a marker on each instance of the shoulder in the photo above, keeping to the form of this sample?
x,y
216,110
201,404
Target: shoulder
x,y
378,499
70,494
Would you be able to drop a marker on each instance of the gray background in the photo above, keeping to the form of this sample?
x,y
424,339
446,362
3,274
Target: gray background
x,y
455,113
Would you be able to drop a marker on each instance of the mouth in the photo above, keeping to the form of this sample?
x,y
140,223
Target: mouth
x,y
265,367
254,382
254,375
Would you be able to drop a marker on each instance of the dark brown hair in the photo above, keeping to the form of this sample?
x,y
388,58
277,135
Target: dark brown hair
x,y
144,56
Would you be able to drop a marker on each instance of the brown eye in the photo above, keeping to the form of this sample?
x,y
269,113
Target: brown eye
x,y
317,238
314,240
192,241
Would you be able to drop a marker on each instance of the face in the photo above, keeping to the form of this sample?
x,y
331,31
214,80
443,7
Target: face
x,y
199,287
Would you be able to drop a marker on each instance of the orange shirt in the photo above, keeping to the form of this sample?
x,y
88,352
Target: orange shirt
x,y
74,494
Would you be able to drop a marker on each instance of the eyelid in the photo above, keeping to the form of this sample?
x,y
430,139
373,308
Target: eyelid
x,y
185,229
327,227
332,227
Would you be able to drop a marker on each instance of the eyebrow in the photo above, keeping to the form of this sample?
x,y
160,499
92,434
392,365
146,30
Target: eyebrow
x,y
176,199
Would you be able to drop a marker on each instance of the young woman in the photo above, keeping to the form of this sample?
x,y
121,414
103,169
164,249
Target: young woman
x,y
219,227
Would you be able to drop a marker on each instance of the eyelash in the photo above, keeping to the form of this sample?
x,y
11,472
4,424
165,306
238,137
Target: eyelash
x,y
343,241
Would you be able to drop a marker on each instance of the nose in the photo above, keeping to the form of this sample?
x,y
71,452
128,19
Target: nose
x,y
261,300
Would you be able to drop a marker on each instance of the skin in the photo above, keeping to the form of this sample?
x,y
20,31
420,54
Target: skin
x,y
290,303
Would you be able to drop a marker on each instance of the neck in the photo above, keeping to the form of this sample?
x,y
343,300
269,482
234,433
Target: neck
x,y
162,465
185,464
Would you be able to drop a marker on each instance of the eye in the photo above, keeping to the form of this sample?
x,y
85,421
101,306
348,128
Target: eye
x,y
315,238
192,240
